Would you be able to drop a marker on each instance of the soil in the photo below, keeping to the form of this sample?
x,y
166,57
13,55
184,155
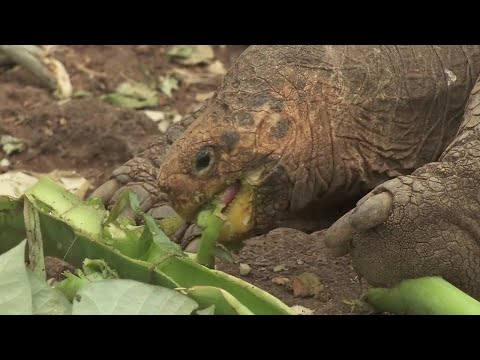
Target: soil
x,y
93,137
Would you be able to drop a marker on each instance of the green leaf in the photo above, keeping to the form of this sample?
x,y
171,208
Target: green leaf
x,y
50,196
15,293
47,300
71,284
423,296
188,273
168,84
128,297
12,225
133,95
61,241
11,144
125,198
160,238
54,200
191,54
93,270
136,90
225,303
91,266
70,241
180,52
127,240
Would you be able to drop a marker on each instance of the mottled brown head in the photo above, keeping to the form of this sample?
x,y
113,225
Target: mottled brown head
x,y
252,133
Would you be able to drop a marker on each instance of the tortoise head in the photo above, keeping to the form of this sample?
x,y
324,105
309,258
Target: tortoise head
x,y
250,148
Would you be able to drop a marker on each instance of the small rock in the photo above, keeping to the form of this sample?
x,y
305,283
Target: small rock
x,y
55,267
4,163
217,68
201,97
306,285
281,280
155,115
245,269
176,118
279,268
192,247
163,126
300,262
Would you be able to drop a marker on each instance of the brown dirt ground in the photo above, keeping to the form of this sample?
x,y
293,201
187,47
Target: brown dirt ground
x,y
93,137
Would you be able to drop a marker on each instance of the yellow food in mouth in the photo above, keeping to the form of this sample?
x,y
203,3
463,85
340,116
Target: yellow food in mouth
x,y
238,215
234,206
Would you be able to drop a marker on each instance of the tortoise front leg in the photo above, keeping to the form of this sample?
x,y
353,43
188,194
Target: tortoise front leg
x,y
426,224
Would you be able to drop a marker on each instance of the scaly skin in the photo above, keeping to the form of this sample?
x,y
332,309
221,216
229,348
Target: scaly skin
x,y
140,174
330,123
427,223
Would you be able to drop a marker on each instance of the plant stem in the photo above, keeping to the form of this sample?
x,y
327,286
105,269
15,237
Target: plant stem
x,y
207,242
423,296
34,239
28,57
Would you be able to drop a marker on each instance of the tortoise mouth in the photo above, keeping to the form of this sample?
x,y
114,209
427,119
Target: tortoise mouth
x,y
237,201
231,192
237,210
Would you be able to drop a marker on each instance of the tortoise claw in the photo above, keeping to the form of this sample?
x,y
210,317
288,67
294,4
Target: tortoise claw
x,y
106,191
372,211
339,235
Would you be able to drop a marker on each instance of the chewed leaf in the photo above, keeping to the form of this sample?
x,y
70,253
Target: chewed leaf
x,y
127,197
160,238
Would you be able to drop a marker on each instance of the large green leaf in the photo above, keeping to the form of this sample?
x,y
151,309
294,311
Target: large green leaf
x,y
47,300
15,293
128,297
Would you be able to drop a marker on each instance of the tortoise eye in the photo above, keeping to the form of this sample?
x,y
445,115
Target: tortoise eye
x,y
203,161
